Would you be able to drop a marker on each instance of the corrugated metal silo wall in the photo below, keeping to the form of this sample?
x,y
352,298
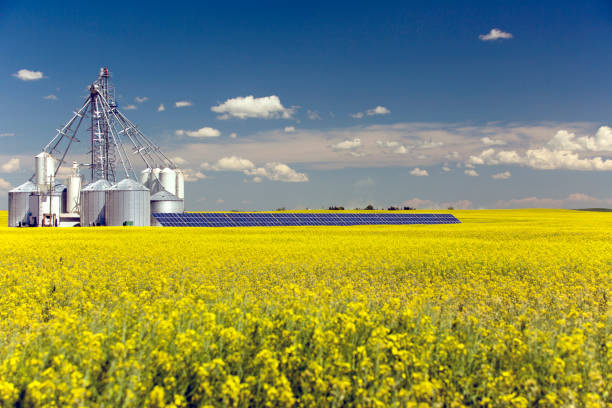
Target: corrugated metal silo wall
x,y
92,208
165,206
19,205
128,206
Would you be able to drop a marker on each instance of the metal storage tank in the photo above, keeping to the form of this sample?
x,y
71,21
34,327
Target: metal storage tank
x,y
44,164
165,202
128,203
93,202
19,204
145,177
73,193
168,180
180,184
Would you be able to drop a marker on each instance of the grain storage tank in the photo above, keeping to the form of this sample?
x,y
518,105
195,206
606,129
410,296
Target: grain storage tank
x,y
180,184
73,193
44,165
93,202
165,202
168,180
145,177
19,204
128,203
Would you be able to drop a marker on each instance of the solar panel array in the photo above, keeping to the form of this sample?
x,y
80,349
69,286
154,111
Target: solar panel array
x,y
297,219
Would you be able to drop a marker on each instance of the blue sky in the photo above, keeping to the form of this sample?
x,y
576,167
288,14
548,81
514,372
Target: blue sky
x,y
387,103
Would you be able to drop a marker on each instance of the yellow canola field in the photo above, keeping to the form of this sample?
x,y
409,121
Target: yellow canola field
x,y
509,308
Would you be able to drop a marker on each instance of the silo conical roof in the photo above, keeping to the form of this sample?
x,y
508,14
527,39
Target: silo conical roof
x,y
100,185
27,187
164,195
129,185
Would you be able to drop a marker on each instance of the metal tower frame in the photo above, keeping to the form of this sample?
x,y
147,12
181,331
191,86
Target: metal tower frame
x,y
108,127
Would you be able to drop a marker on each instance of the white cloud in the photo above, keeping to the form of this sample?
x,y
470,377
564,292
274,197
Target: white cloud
x,y
502,176
347,144
400,150
495,34
278,172
11,166
179,160
230,163
419,172
141,99
200,133
357,115
50,97
471,172
182,104
161,107
27,75
5,185
193,175
7,134
233,135
313,115
289,129
130,107
257,179
395,147
492,142
273,170
243,107
379,110
564,140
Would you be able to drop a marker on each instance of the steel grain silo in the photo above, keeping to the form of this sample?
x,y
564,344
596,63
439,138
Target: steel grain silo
x,y
93,201
164,202
128,203
19,204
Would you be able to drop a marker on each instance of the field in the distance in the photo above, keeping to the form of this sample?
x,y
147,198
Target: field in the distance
x,y
509,308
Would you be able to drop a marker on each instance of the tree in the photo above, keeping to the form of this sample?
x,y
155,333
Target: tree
x,y
369,207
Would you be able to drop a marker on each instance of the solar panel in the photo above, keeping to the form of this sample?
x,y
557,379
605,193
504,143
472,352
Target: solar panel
x,y
298,219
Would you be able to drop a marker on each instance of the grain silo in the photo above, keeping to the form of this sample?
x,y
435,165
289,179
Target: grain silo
x,y
128,203
19,204
164,202
167,177
180,184
93,202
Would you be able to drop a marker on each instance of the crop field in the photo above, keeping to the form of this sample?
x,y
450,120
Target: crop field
x,y
509,308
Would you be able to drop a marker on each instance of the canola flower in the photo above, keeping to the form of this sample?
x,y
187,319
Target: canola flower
x,y
510,308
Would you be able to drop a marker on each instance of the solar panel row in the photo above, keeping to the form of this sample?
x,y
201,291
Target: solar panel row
x,y
297,219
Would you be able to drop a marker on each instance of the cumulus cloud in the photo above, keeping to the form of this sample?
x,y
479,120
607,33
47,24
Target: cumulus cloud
x,y
495,34
492,142
161,107
50,97
10,166
357,115
558,153
393,146
243,107
130,107
273,170
5,185
379,110
27,75
233,135
289,129
200,133
141,99
193,175
471,172
182,104
346,145
502,176
419,172
179,160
